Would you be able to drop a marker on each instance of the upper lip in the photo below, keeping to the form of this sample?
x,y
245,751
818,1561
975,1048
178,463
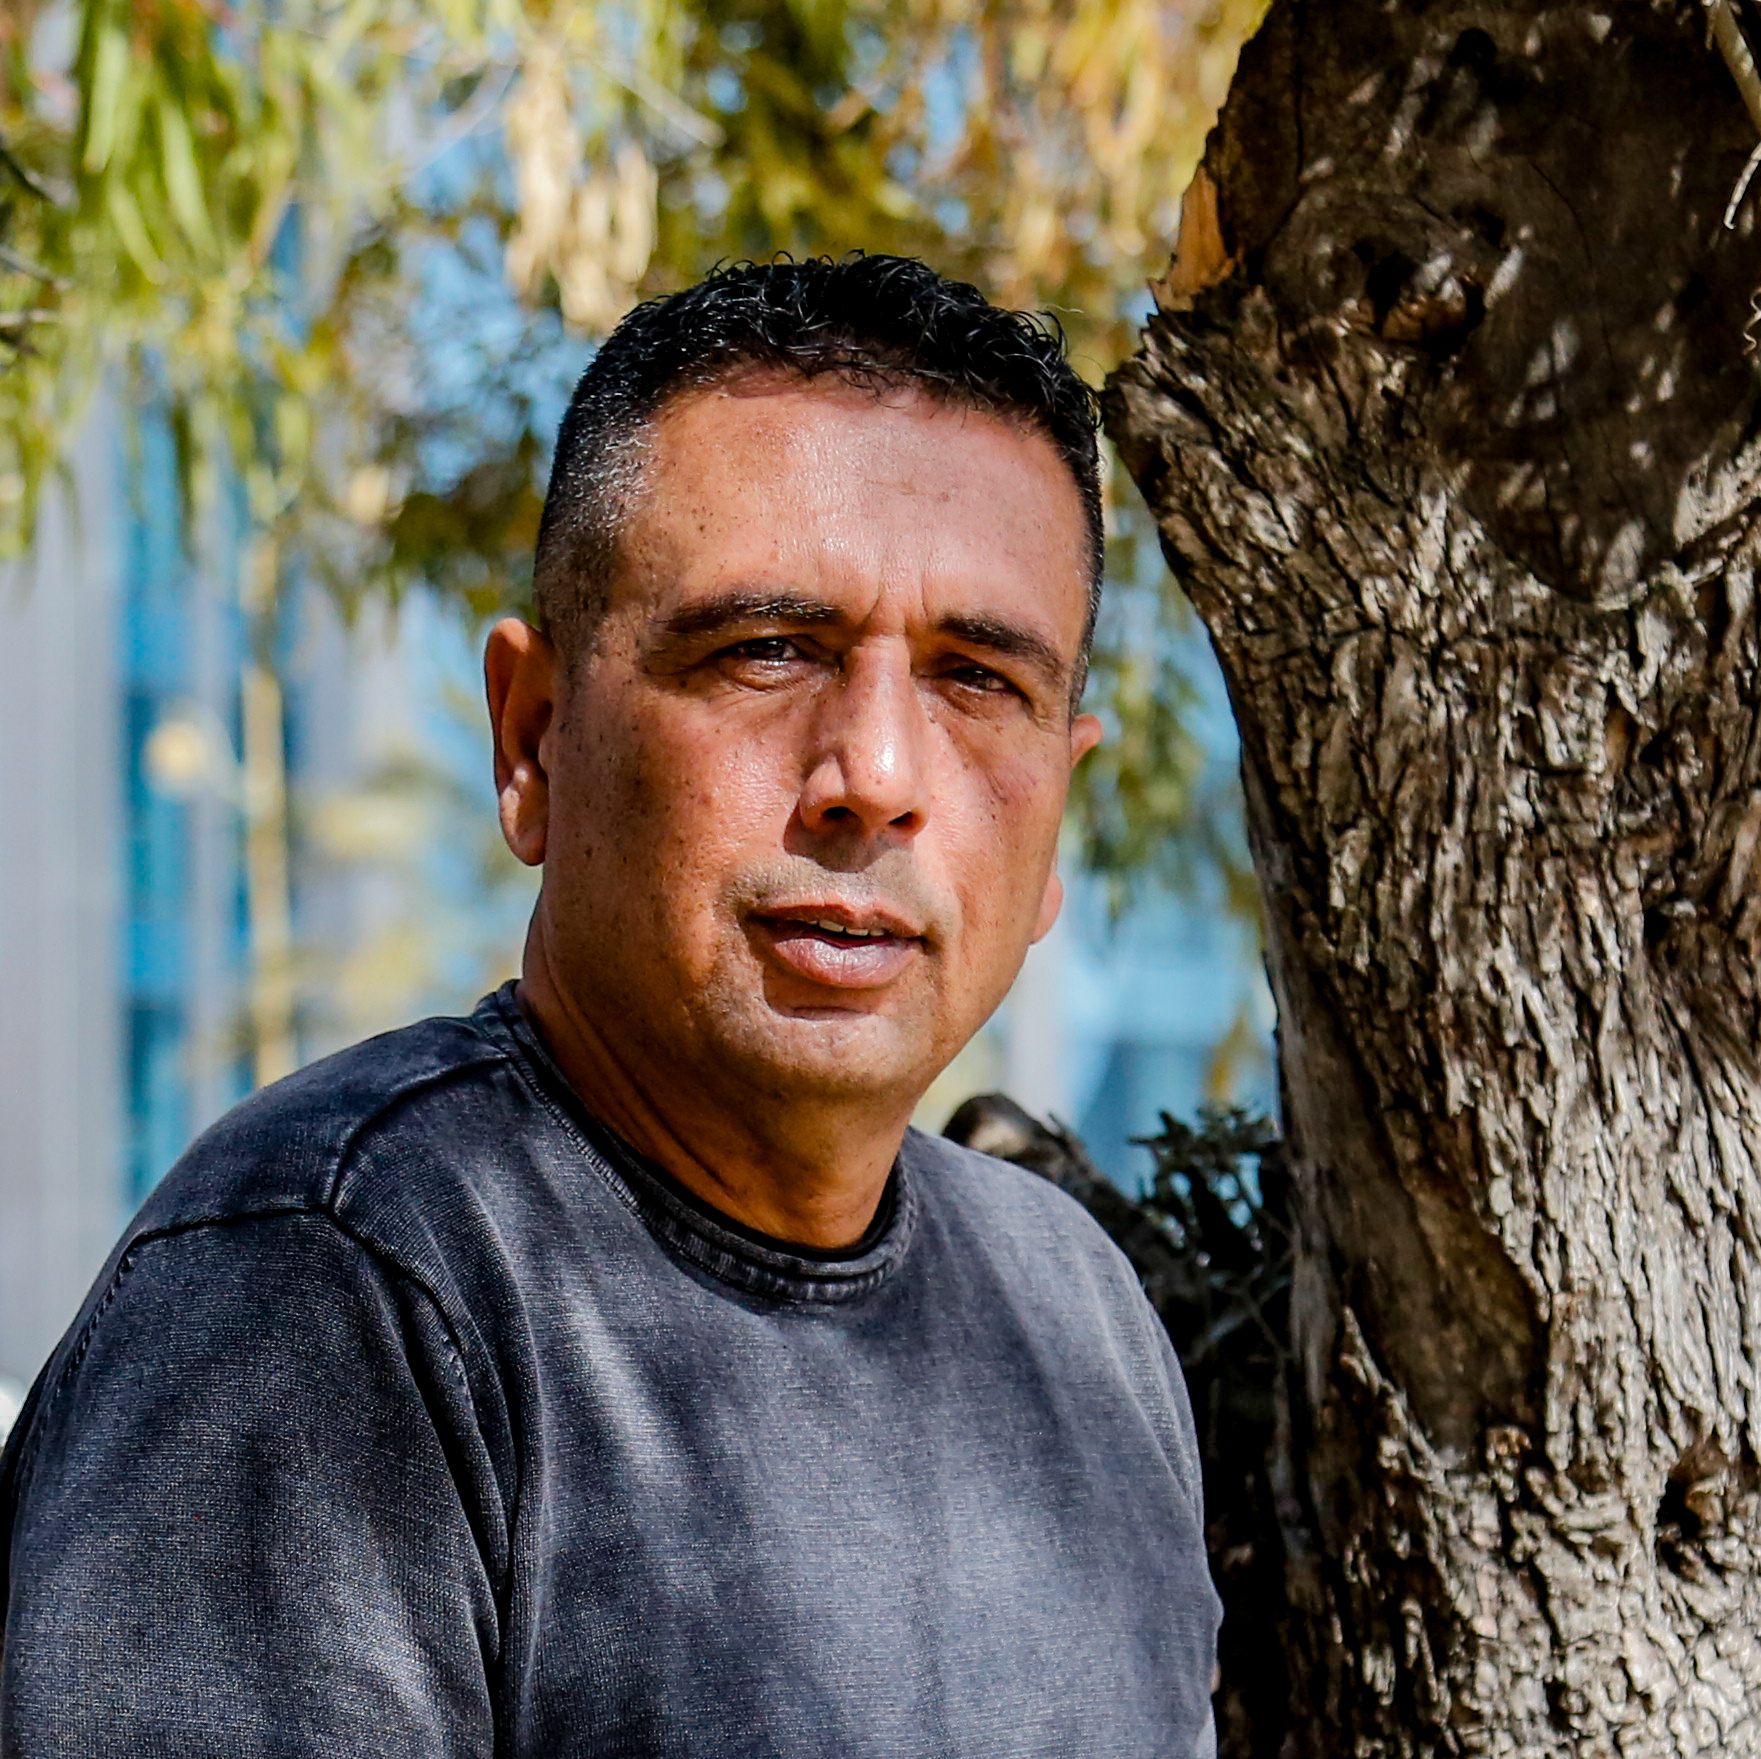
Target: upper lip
x,y
864,919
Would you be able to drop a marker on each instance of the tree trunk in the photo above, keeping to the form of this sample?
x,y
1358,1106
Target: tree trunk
x,y
1449,429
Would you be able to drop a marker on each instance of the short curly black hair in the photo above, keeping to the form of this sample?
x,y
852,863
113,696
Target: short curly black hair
x,y
880,321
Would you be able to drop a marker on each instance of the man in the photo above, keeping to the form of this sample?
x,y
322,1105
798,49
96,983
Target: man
x,y
613,1372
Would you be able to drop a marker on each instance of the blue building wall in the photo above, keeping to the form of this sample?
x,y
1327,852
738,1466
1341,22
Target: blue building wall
x,y
182,934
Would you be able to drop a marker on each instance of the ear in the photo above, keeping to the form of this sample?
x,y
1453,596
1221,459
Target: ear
x,y
1085,735
1051,902
520,674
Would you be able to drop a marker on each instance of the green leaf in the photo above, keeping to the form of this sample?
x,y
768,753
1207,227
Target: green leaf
x,y
100,110
183,180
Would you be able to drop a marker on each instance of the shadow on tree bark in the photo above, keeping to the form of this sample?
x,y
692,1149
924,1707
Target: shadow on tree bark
x,y
1210,1240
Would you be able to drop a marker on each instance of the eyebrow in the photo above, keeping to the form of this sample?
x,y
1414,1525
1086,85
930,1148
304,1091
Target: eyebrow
x,y
740,606
1003,637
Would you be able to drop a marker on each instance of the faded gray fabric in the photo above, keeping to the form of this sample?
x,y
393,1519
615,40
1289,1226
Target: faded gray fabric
x,y
416,1416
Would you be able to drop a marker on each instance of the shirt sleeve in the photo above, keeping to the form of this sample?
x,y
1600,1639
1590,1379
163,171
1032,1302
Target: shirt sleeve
x,y
239,1528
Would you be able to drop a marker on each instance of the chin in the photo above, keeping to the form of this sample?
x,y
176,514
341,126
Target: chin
x,y
833,1052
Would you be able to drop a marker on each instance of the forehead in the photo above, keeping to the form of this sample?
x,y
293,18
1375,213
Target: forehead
x,y
892,488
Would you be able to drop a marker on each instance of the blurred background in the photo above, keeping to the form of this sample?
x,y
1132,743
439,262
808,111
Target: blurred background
x,y
292,295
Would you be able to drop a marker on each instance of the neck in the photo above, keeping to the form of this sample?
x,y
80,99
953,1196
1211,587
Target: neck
x,y
804,1172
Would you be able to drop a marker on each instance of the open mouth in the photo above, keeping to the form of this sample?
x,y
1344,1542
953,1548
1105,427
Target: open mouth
x,y
839,933
841,952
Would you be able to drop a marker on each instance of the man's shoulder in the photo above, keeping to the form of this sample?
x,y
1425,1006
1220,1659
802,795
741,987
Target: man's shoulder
x,y
1010,1207
1061,1274
293,1146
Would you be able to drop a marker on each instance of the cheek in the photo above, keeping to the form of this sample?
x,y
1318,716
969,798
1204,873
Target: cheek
x,y
1001,822
679,814
710,798
1028,780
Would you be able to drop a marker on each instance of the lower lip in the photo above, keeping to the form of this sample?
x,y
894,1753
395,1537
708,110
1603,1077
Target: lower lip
x,y
866,964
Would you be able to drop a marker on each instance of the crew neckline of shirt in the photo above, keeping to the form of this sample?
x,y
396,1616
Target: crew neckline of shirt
x,y
727,1249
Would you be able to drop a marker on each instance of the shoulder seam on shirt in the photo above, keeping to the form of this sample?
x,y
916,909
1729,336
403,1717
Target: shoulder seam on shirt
x,y
52,1395
387,1267
382,1261
346,1149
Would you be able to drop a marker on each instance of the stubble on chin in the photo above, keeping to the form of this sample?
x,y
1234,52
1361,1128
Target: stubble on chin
x,y
882,1048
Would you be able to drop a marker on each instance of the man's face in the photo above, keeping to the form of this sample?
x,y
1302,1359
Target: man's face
x,y
803,794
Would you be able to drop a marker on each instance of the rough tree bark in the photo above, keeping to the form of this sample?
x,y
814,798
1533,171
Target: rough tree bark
x,y
1450,433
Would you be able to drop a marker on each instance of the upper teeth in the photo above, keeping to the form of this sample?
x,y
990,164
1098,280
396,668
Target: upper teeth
x,y
844,928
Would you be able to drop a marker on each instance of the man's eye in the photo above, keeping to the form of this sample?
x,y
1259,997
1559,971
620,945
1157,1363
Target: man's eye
x,y
766,649
976,677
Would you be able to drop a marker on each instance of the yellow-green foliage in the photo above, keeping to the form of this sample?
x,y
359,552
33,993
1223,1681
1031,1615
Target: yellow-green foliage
x,y
1038,145
223,207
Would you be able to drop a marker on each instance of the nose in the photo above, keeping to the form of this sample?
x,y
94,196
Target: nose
x,y
868,765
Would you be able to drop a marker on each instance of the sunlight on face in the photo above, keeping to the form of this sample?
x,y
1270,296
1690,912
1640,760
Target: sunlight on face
x,y
806,786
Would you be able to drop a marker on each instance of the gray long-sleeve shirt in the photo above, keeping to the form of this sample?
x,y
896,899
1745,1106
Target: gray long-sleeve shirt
x,y
416,1416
